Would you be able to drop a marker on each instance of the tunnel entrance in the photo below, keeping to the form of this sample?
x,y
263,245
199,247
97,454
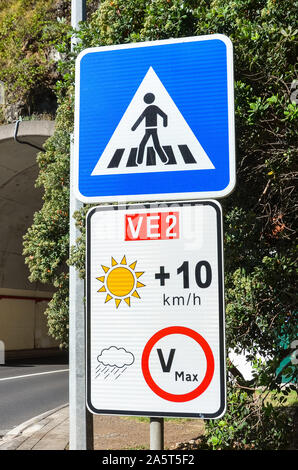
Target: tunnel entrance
x,y
23,326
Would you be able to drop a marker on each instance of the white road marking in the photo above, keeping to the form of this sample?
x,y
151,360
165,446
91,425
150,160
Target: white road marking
x,y
32,375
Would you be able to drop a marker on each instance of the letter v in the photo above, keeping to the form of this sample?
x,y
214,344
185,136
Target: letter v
x,y
135,231
166,367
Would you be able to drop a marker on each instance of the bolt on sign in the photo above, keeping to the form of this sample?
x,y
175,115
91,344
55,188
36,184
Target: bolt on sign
x,y
155,310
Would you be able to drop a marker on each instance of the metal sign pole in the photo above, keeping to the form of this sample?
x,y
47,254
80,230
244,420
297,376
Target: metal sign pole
x,y
156,434
80,419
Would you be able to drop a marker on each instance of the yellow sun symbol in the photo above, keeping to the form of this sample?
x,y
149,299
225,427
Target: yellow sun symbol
x,y
120,281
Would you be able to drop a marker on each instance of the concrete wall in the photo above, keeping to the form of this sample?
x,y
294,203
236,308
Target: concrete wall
x,y
23,324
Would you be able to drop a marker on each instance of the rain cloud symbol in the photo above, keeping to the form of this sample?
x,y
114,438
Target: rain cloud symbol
x,y
113,362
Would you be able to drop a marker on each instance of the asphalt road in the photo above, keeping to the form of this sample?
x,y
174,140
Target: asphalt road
x,y
31,387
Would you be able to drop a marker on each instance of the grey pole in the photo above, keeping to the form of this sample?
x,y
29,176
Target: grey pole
x,y
80,419
78,13
156,433
2,352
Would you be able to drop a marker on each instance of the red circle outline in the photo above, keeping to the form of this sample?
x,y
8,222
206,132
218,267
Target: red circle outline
x,y
171,330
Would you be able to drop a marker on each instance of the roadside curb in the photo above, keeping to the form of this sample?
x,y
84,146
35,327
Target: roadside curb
x,y
24,431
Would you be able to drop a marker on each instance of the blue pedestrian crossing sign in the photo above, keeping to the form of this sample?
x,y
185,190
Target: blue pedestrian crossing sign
x,y
155,121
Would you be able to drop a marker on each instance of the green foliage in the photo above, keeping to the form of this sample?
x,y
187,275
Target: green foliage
x,y
250,423
259,217
29,31
46,243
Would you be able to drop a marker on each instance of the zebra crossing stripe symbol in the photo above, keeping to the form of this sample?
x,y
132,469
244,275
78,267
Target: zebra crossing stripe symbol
x,y
152,136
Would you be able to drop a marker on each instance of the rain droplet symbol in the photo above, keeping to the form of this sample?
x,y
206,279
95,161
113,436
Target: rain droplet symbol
x,y
113,362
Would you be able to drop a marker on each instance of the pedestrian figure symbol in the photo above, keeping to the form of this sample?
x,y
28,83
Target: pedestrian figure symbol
x,y
150,115
152,136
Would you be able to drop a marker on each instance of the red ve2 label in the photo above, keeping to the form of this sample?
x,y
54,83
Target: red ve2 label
x,y
152,226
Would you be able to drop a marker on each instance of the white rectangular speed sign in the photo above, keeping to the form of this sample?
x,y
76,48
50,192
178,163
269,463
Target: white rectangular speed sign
x,y
155,310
